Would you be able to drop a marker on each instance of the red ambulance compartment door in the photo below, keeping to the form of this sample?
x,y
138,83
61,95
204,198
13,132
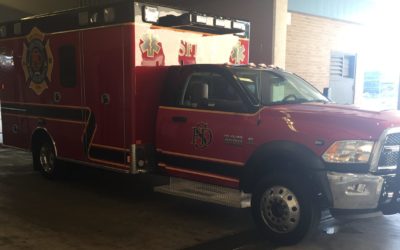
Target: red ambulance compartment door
x,y
104,94
204,136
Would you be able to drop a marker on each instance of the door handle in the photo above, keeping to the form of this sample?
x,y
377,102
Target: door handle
x,y
179,119
105,99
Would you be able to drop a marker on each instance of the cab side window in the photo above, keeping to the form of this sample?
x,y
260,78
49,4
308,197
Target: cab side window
x,y
206,90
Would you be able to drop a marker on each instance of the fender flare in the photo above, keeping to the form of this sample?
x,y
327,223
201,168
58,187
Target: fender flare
x,y
285,156
39,133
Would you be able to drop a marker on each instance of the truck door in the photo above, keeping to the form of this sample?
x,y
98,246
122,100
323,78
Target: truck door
x,y
205,132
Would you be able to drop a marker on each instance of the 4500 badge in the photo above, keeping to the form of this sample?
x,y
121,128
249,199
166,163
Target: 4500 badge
x,y
37,61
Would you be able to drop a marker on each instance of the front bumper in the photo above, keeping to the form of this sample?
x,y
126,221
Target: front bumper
x,y
355,191
377,189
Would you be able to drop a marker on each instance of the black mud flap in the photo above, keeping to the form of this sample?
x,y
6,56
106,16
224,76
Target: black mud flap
x,y
390,205
391,208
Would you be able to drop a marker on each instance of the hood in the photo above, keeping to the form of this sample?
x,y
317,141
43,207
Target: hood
x,y
338,121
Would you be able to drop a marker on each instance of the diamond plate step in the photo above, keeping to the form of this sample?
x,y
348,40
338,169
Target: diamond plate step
x,y
206,192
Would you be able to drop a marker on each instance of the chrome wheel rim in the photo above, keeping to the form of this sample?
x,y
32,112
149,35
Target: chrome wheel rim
x,y
280,209
47,158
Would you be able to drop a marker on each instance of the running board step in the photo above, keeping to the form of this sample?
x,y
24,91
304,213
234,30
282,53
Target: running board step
x,y
206,192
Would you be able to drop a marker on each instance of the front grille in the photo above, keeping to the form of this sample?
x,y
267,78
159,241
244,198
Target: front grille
x,y
389,157
392,140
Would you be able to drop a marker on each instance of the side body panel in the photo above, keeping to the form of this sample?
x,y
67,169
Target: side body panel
x,y
12,84
88,111
106,80
26,106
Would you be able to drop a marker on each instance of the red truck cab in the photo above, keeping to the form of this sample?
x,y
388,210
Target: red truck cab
x,y
270,133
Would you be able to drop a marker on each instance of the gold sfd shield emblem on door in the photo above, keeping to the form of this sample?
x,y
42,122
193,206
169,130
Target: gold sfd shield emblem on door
x,y
202,136
37,61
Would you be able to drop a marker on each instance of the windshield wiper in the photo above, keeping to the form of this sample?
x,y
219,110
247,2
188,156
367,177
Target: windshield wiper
x,y
296,101
318,100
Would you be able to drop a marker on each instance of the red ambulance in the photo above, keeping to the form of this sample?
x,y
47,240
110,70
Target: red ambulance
x,y
141,88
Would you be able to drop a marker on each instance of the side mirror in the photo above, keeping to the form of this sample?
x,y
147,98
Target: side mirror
x,y
327,92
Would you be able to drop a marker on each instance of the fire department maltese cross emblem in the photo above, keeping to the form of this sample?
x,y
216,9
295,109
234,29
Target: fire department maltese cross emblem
x,y
37,61
238,54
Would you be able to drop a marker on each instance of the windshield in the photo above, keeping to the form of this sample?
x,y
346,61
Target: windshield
x,y
272,88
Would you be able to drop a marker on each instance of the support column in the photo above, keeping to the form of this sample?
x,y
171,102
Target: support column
x,y
280,23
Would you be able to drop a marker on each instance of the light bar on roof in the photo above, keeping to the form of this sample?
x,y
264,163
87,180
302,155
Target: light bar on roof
x,y
239,25
225,23
203,19
150,14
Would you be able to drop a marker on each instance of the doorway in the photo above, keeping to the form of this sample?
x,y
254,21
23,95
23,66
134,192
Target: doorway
x,y
342,77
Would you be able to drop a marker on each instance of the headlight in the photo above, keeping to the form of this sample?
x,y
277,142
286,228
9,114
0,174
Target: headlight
x,y
349,152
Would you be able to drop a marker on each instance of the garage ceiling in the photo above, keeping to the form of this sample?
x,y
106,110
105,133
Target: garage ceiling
x,y
14,9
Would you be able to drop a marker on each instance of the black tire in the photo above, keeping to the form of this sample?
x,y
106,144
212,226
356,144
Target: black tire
x,y
44,159
284,209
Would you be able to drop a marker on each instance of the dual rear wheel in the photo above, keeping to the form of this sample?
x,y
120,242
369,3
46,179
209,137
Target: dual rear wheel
x,y
44,158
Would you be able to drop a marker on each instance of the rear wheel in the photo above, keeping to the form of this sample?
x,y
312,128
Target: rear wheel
x,y
283,208
44,159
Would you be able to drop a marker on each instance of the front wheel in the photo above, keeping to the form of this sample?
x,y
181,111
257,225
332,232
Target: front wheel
x,y
283,208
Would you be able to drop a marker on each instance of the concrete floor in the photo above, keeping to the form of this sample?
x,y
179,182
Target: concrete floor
x,y
95,209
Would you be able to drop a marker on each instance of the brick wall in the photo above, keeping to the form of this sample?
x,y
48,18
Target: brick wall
x,y
310,41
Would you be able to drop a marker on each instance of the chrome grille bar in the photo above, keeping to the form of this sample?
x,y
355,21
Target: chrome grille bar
x,y
386,152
